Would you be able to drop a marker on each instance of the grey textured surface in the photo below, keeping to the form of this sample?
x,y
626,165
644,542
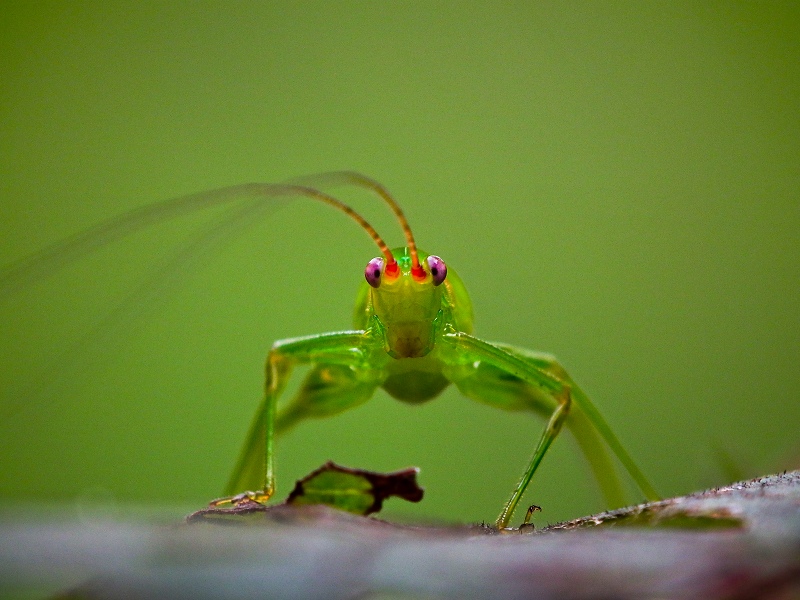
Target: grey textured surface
x,y
740,541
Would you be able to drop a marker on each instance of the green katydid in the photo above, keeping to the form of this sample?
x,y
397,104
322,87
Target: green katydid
x,y
412,336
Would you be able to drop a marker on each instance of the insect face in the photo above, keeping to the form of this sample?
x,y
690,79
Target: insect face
x,y
407,303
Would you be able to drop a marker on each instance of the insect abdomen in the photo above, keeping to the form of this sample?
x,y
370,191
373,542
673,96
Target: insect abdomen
x,y
415,387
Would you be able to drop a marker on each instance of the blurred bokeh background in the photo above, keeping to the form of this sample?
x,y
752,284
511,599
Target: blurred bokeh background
x,y
616,183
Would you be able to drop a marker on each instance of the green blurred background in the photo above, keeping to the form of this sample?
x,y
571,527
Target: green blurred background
x,y
616,183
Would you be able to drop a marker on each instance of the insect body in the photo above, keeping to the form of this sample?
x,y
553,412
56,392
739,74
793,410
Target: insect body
x,y
412,336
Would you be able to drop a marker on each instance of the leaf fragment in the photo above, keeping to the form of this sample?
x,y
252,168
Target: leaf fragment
x,y
355,490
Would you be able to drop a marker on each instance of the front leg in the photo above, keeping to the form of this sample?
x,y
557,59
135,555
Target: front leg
x,y
468,349
549,385
255,467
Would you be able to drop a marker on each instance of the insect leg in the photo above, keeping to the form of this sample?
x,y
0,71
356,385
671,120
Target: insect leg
x,y
255,466
590,416
494,386
549,434
328,390
549,380
467,349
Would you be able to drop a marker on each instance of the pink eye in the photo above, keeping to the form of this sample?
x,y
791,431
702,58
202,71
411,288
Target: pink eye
x,y
437,268
373,272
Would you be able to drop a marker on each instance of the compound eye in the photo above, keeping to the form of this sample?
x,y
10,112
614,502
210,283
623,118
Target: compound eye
x,y
373,272
437,268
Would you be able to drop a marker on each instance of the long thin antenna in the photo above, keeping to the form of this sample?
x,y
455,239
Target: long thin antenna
x,y
338,178
53,258
350,212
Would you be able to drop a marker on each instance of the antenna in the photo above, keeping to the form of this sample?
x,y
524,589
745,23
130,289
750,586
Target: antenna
x,y
350,212
339,178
